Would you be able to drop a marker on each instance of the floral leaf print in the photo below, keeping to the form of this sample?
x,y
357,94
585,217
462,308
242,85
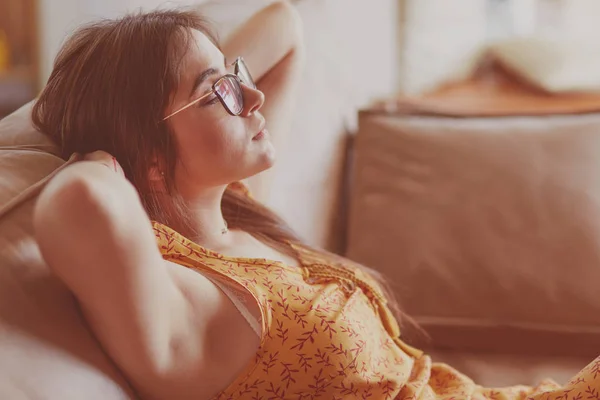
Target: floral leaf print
x,y
287,373
347,390
334,349
300,318
303,300
366,394
283,303
269,362
576,381
596,368
307,336
592,393
268,284
360,346
319,384
252,269
363,371
320,309
249,387
304,361
278,274
328,327
348,331
168,245
275,393
388,389
282,331
323,358
353,366
340,372
564,396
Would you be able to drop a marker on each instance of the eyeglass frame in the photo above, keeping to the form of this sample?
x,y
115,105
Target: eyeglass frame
x,y
235,75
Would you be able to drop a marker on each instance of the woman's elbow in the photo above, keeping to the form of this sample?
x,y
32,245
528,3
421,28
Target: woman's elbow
x,y
291,20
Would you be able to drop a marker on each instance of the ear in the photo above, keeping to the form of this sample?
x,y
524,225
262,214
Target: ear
x,y
156,173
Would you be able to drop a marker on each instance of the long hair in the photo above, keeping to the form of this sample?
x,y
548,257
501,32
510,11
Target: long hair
x,y
111,82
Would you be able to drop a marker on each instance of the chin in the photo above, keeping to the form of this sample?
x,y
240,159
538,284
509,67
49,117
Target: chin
x,y
263,161
267,157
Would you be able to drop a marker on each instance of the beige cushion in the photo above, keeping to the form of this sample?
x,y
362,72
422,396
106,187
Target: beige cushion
x,y
46,350
489,229
502,370
553,65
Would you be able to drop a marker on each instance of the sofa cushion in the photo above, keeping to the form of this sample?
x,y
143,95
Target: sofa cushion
x,y
567,65
488,228
46,349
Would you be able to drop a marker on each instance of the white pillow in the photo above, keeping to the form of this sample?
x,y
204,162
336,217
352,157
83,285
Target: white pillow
x,y
553,66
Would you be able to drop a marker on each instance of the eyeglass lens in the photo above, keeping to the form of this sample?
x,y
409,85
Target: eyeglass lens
x,y
230,92
243,73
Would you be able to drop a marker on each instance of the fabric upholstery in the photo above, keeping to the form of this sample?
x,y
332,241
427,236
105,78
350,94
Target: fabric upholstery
x,y
487,227
46,350
507,369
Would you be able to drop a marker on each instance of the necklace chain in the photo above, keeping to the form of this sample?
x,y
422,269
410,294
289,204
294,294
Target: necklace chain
x,y
225,228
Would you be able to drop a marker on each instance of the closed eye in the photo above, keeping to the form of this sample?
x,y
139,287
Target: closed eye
x,y
211,100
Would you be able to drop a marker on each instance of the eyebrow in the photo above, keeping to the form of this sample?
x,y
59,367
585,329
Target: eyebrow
x,y
202,77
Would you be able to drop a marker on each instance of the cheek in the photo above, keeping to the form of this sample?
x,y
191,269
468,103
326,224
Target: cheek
x,y
215,141
224,139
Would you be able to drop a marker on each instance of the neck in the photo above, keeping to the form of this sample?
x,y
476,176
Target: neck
x,y
208,225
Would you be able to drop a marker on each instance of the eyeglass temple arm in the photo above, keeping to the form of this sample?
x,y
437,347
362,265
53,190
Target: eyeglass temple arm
x,y
188,105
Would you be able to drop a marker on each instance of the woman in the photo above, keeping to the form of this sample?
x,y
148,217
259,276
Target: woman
x,y
230,304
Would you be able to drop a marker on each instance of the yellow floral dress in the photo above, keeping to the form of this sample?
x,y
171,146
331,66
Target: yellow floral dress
x,y
327,334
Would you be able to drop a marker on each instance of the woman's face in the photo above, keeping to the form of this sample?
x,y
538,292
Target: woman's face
x,y
215,148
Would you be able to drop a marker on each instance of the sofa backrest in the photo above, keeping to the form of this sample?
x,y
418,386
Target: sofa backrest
x,y
488,228
46,349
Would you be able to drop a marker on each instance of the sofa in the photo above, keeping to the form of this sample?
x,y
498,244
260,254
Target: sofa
x,y
480,203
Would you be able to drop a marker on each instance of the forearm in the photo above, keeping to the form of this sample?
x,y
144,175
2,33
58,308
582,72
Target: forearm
x,y
266,38
272,44
280,88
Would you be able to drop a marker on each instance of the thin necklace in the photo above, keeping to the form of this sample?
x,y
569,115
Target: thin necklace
x,y
225,229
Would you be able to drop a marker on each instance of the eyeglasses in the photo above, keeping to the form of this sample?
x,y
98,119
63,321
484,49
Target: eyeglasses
x,y
227,89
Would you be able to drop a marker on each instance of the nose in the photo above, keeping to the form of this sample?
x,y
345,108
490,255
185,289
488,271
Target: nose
x,y
253,100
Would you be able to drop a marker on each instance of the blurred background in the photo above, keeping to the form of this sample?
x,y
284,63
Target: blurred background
x,y
432,38
359,52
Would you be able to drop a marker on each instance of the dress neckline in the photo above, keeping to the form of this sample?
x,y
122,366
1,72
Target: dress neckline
x,y
203,251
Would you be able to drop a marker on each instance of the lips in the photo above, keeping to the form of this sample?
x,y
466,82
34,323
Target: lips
x,y
260,135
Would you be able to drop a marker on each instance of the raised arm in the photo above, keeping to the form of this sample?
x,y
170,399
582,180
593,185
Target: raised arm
x,y
97,238
271,43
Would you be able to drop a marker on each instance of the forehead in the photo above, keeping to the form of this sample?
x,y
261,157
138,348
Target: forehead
x,y
200,55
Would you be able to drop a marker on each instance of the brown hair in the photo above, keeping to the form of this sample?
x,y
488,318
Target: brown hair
x,y
111,82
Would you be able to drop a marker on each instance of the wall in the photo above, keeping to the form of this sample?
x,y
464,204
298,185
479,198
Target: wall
x,y
443,38
60,17
439,39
